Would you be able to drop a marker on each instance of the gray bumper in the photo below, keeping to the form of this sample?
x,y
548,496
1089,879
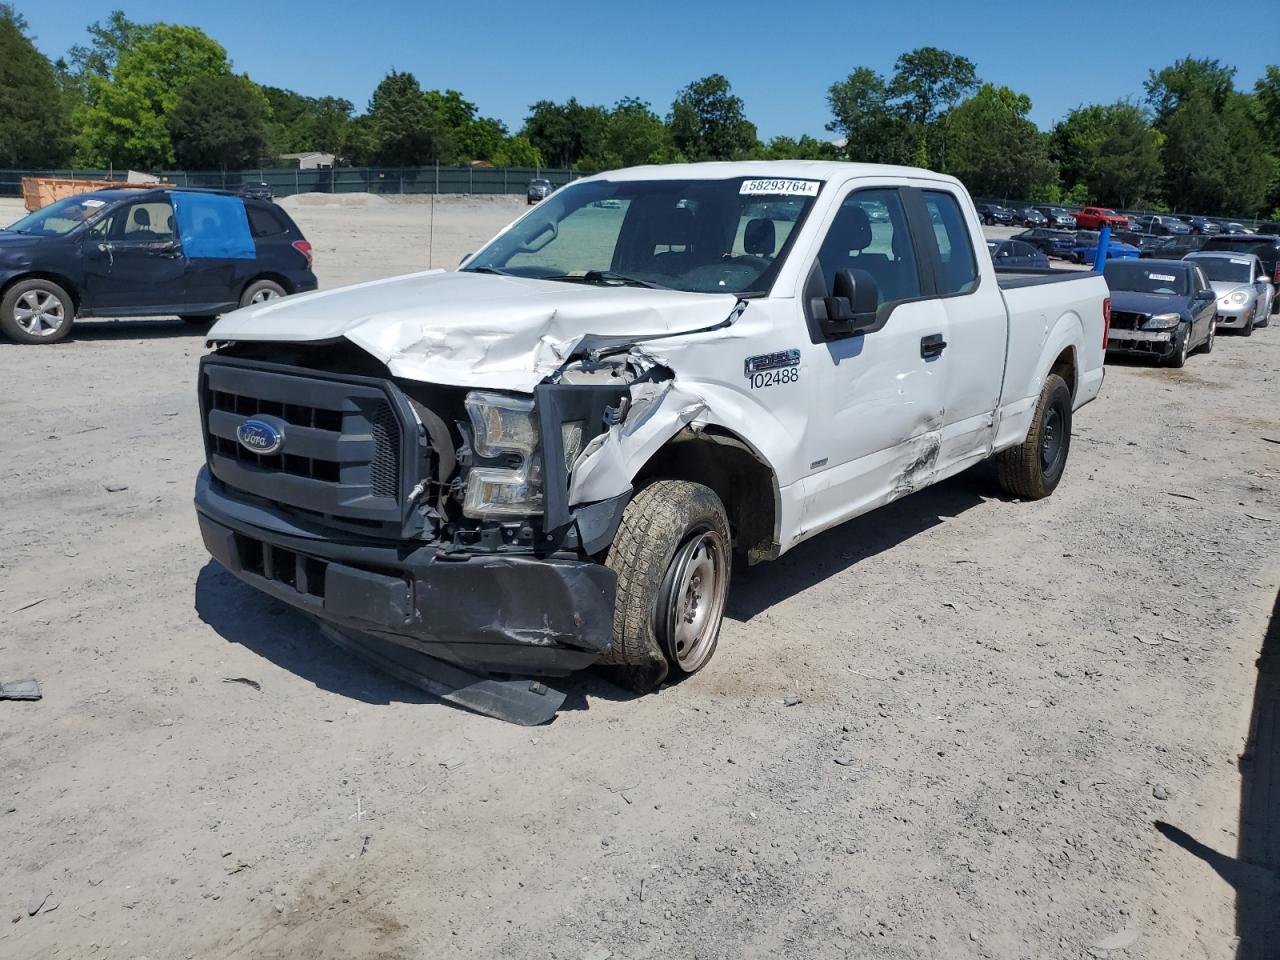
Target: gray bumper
x,y
485,614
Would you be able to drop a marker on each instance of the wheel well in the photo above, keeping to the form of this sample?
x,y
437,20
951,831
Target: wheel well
x,y
1065,367
61,281
273,277
741,479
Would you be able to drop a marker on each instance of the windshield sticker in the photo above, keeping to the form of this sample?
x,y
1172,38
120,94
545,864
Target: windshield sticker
x,y
1240,260
1161,276
784,188
93,204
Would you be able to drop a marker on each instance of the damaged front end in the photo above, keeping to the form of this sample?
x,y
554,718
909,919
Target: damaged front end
x,y
451,536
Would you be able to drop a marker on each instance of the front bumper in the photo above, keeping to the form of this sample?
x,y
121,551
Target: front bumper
x,y
1149,343
485,613
1234,319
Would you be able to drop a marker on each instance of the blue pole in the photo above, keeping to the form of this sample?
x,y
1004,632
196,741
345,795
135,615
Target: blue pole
x,y
1104,243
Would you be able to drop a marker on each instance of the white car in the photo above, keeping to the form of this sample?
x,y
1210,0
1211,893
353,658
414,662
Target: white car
x,y
547,458
1243,287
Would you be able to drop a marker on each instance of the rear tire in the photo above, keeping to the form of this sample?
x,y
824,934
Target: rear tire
x,y
260,291
671,555
1034,467
36,311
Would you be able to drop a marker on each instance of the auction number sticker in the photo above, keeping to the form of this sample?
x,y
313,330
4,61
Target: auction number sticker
x,y
780,188
93,203
1161,276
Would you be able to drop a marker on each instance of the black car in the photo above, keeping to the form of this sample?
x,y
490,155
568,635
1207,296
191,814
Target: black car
x,y
143,253
1016,255
1203,225
1029,216
1052,243
1167,226
1162,309
1137,239
1265,246
993,213
1174,247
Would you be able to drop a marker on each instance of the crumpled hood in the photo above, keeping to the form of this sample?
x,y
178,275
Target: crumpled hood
x,y
471,329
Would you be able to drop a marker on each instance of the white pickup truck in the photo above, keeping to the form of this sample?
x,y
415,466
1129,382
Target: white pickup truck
x,y
548,458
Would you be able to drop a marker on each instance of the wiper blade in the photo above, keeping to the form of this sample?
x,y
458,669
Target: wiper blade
x,y
607,278
494,270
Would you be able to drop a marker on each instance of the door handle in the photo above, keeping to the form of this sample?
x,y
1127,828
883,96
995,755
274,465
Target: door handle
x,y
932,346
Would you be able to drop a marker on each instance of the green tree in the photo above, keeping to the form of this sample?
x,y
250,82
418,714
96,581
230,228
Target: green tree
x,y
707,121
219,122
995,149
404,131
633,135
804,148
107,41
517,151
123,121
480,139
1113,150
34,122
565,133
300,123
1171,87
927,85
872,132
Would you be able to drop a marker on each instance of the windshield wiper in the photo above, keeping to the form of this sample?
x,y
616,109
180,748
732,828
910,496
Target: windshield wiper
x,y
604,278
493,270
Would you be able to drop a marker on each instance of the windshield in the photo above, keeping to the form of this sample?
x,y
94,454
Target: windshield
x,y
703,236
1135,277
59,218
1225,269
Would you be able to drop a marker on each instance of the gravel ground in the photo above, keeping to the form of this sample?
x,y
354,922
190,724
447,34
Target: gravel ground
x,y
944,730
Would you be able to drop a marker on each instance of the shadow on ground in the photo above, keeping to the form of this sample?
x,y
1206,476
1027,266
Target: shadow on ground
x,y
1254,872
271,629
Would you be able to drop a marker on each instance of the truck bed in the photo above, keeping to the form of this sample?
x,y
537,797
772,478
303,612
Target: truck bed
x,y
1011,278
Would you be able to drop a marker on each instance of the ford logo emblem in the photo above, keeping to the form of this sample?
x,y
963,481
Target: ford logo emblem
x,y
258,436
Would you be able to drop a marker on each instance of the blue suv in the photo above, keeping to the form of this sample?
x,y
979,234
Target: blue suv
x,y
144,253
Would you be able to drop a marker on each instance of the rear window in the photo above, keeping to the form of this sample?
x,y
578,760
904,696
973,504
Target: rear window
x,y
264,222
1261,247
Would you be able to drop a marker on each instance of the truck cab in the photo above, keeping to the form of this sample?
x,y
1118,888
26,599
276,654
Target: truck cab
x,y
551,456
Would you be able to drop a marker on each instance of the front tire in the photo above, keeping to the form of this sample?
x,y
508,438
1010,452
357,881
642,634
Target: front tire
x,y
1033,468
1247,329
1181,347
36,311
1208,341
671,555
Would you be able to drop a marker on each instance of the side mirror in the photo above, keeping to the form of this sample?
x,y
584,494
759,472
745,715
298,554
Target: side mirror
x,y
852,305
1206,294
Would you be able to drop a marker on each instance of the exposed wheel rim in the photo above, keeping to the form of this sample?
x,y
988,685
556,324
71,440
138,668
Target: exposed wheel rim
x,y
39,313
262,296
695,602
1052,438
1182,351
1213,332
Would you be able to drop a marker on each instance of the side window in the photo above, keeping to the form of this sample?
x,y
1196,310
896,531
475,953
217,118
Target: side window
x,y
870,233
148,222
263,221
955,248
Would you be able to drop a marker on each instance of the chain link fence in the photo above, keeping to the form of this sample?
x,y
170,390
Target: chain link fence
x,y
285,182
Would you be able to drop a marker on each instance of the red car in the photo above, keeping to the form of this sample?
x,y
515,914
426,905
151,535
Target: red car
x,y
1092,218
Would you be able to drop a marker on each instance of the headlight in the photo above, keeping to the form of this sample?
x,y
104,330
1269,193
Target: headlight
x,y
503,428
1163,321
1238,297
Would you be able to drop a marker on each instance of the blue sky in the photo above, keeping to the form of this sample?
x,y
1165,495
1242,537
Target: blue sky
x,y
781,58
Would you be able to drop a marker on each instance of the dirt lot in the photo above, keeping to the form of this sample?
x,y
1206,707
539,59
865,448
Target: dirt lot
x,y
994,697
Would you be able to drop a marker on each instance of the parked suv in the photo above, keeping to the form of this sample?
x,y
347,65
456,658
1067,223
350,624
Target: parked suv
x,y
1058,217
538,190
144,253
993,213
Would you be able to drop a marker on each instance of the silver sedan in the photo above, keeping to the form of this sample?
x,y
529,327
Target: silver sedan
x,y
1244,290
